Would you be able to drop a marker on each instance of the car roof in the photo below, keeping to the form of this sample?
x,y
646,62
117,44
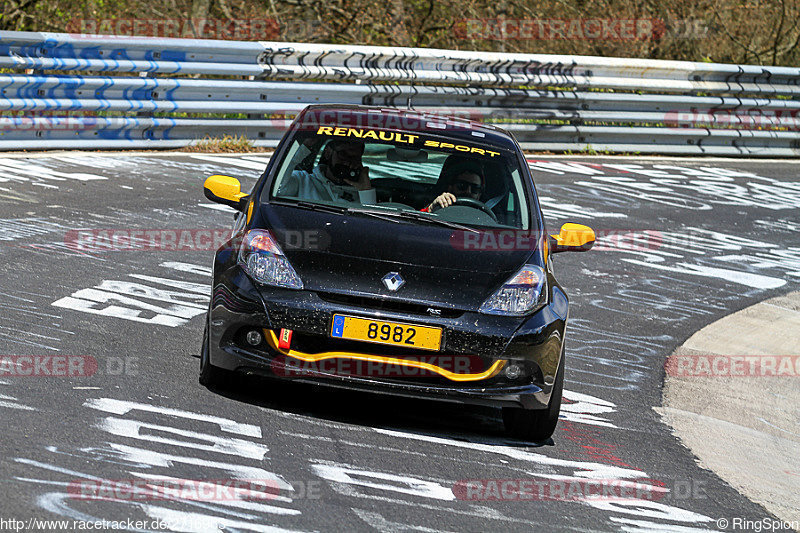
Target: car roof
x,y
404,120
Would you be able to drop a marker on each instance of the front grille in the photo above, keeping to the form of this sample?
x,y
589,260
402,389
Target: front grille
x,y
383,304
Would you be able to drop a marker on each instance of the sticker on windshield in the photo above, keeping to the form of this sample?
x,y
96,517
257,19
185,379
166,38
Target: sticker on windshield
x,y
460,148
407,138
390,136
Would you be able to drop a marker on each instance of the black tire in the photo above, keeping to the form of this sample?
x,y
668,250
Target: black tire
x,y
210,375
536,425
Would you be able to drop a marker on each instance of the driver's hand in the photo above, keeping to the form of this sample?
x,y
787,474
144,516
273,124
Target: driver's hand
x,y
363,183
443,200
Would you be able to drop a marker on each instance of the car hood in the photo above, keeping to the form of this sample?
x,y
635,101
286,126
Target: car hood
x,y
350,254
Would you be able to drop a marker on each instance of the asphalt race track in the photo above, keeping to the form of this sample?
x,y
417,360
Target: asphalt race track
x,y
683,242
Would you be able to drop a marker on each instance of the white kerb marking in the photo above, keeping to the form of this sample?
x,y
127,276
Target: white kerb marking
x,y
121,407
384,481
583,469
187,267
225,445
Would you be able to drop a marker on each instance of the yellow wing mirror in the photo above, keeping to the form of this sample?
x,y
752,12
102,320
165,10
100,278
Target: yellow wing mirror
x,y
225,190
572,238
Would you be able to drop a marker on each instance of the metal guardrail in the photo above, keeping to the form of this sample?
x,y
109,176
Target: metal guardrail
x,y
84,91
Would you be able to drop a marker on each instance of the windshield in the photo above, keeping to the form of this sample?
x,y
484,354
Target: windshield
x,y
436,179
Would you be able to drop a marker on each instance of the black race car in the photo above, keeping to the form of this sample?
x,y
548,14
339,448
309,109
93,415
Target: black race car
x,y
395,252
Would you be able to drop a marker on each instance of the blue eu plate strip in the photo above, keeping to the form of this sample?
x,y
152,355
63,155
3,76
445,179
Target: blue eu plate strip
x,y
338,326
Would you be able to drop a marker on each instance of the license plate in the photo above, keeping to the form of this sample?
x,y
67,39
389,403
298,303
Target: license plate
x,y
381,332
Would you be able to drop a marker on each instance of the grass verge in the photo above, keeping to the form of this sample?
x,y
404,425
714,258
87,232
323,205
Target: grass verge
x,y
226,143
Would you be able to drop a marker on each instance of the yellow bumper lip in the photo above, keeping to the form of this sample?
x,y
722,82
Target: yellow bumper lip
x,y
272,340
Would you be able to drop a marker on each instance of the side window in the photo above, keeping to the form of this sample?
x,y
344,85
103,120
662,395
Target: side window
x,y
290,155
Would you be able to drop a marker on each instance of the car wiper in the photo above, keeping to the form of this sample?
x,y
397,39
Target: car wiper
x,y
390,216
338,209
312,206
383,215
413,215
424,217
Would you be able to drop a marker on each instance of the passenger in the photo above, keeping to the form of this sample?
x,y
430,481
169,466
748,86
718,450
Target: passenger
x,y
338,176
462,179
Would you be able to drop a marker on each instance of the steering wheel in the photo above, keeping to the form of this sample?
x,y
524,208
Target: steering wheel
x,y
469,202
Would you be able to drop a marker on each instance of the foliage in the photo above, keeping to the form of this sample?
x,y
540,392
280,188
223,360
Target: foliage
x,y
226,143
763,32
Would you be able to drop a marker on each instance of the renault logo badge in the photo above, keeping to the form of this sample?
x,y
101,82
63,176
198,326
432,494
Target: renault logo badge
x,y
393,281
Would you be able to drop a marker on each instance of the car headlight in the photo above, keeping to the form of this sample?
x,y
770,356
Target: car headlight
x,y
524,292
262,258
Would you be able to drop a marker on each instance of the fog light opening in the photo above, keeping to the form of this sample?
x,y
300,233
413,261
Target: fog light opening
x,y
253,338
513,371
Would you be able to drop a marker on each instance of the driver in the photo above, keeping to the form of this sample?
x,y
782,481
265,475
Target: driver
x,y
339,176
463,180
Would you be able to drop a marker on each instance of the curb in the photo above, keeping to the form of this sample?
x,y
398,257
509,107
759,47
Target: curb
x,y
743,425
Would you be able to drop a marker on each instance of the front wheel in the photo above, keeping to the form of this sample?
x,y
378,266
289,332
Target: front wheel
x,y
536,425
210,375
